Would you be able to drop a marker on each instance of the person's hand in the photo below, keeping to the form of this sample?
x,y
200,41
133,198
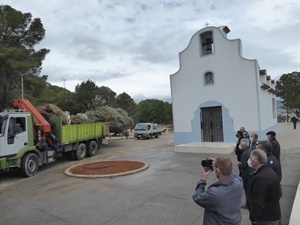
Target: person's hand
x,y
213,161
204,174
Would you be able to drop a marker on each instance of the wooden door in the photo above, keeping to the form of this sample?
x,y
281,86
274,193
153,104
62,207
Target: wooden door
x,y
211,124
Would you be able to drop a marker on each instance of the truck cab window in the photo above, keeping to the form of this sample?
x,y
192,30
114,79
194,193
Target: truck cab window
x,y
16,126
11,126
11,133
2,126
20,124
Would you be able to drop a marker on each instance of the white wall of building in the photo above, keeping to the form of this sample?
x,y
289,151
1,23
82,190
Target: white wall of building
x,y
236,88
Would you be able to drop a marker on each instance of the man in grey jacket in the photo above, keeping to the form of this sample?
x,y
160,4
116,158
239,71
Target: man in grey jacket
x,y
221,200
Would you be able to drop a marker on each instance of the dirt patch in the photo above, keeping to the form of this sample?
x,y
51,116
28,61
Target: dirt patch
x,y
107,168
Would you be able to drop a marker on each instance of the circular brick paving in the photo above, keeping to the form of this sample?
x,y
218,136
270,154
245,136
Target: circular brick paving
x,y
110,168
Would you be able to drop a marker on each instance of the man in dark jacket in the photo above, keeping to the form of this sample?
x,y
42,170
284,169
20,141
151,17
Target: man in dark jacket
x,y
271,160
294,120
246,171
221,200
275,144
264,192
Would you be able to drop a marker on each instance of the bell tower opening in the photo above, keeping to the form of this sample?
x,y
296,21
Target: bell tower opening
x,y
207,43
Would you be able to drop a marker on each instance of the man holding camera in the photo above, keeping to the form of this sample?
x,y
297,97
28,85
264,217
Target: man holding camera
x,y
221,200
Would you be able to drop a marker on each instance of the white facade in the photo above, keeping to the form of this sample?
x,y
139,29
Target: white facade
x,y
239,93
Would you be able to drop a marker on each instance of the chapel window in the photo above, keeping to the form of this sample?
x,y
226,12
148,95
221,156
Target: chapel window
x,y
209,78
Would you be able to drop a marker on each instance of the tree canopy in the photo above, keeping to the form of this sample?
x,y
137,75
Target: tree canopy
x,y
154,110
84,94
124,101
288,88
20,33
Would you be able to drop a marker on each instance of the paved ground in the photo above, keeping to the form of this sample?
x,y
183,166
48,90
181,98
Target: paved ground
x,y
160,195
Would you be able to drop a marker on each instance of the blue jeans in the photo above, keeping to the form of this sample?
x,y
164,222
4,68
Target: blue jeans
x,y
260,222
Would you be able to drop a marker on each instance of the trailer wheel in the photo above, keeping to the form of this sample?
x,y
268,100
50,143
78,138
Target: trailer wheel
x,y
80,152
29,165
92,148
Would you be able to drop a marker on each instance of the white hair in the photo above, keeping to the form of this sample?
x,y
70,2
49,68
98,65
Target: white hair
x,y
245,142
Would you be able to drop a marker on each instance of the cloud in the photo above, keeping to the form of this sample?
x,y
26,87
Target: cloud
x,y
133,46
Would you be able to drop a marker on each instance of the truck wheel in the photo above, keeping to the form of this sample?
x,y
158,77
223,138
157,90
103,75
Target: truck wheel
x,y
29,165
92,148
156,135
80,152
150,136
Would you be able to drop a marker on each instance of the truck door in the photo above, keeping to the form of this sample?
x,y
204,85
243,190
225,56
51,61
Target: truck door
x,y
17,135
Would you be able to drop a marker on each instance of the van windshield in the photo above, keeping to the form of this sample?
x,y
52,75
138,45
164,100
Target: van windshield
x,y
141,127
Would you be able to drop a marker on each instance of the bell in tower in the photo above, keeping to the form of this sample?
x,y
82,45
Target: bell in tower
x,y
207,43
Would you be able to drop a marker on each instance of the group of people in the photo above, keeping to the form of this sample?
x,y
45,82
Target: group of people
x,y
259,178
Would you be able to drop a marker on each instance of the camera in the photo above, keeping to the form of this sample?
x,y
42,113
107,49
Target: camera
x,y
207,164
239,134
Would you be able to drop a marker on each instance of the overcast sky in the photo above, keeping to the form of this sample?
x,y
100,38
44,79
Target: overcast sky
x,y
133,46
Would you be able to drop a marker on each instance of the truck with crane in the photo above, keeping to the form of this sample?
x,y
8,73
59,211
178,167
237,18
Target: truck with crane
x,y
28,140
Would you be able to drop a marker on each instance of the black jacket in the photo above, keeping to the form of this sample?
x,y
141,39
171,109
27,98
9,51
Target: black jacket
x,y
245,169
275,148
294,120
275,165
238,151
264,195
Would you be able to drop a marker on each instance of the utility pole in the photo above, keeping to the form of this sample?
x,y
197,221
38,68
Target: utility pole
x,y
22,85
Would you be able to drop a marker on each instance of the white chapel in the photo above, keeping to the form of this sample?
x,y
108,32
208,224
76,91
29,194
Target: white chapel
x,y
216,91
